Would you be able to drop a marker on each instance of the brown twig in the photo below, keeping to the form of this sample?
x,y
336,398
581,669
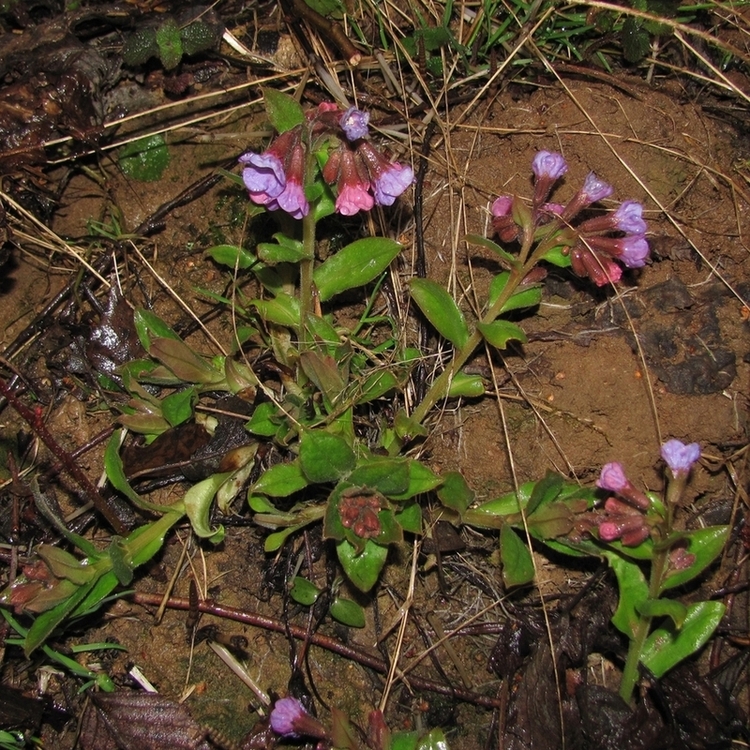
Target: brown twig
x,y
34,419
333,30
358,655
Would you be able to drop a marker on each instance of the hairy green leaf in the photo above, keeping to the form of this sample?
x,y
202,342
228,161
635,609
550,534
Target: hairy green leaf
x,y
440,310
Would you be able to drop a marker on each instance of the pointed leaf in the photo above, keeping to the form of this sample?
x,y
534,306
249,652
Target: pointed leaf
x,y
284,111
148,325
464,385
509,260
280,480
178,407
440,310
354,265
323,371
664,608
410,517
706,544
667,647
518,567
325,457
283,310
456,493
198,501
348,612
183,361
362,570
421,479
232,256
500,332
633,592
390,476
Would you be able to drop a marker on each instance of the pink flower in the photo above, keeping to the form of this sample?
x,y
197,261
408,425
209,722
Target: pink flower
x,y
353,187
680,457
292,199
502,206
601,271
613,479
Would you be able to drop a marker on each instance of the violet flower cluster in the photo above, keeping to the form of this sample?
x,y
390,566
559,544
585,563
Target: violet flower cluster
x,y
361,174
593,251
625,516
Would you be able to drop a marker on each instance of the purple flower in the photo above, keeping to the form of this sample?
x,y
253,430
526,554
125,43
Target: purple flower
x,y
612,477
263,175
595,189
502,206
629,218
290,719
354,123
680,457
632,250
388,180
391,183
547,164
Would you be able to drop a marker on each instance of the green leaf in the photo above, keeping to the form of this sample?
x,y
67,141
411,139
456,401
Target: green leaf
x,y
303,592
456,493
354,265
280,480
232,256
508,259
558,256
633,592
390,476
518,567
64,565
422,479
169,42
636,42
198,501
407,428
183,361
144,160
377,385
265,420
178,407
284,250
509,504
363,570
523,297
140,47
440,310
283,310
325,457
348,612
664,608
666,647
500,332
706,544
545,491
260,504
410,517
464,385
122,565
276,540
198,36
404,741
148,326
435,740
323,371
284,111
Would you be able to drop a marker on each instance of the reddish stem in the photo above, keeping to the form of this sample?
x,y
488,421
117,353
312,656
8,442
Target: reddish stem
x,y
355,654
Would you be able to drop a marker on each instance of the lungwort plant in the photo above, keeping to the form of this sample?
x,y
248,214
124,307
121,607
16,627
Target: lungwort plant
x,y
326,395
